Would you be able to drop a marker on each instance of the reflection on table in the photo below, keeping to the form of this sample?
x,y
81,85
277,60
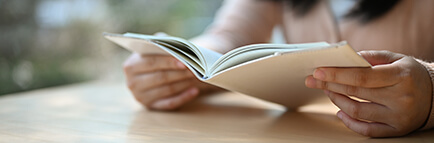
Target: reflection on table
x,y
106,112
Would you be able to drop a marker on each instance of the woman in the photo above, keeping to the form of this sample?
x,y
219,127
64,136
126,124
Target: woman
x,y
399,88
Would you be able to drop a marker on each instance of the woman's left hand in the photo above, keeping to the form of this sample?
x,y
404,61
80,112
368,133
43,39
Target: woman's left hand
x,y
396,94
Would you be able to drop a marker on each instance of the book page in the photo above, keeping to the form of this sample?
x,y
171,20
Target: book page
x,y
137,45
210,57
202,56
256,51
179,43
146,44
280,78
186,58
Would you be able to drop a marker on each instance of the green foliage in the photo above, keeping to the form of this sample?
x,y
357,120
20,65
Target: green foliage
x,y
37,52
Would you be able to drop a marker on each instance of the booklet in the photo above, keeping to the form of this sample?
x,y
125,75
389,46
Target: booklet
x,y
272,72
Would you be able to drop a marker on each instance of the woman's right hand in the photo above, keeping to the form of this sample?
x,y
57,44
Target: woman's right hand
x,y
160,82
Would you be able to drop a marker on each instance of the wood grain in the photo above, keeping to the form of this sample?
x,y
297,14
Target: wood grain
x,y
106,112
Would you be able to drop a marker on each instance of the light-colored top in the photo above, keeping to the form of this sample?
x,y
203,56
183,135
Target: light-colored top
x,y
407,28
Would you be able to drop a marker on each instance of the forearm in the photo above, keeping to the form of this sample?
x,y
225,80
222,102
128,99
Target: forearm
x,y
213,42
241,22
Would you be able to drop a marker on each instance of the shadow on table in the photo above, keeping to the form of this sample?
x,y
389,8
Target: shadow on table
x,y
222,122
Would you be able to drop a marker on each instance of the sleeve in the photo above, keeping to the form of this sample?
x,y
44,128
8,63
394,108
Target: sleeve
x,y
430,121
241,22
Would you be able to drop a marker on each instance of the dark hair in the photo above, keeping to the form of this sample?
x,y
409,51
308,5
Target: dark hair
x,y
365,10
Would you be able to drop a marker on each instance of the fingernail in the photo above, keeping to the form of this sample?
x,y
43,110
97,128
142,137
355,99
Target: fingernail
x,y
319,74
180,65
310,82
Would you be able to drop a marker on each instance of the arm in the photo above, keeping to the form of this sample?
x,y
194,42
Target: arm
x,y
241,22
163,83
238,23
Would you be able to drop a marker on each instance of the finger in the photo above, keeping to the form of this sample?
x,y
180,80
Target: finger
x,y
377,76
361,110
155,79
138,64
380,57
377,95
176,101
371,129
149,96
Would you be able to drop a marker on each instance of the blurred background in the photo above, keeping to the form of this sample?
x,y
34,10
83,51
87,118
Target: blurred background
x,y
46,43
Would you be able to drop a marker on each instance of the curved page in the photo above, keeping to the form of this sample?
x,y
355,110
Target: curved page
x,y
251,52
280,78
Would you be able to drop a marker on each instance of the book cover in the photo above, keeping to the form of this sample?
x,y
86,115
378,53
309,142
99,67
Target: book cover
x,y
272,72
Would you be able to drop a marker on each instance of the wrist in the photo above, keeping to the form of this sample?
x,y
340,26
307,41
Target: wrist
x,y
429,123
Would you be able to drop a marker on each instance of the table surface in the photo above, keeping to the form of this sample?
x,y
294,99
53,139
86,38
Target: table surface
x,y
107,112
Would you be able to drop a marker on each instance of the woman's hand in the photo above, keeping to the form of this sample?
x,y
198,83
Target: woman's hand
x,y
397,94
161,82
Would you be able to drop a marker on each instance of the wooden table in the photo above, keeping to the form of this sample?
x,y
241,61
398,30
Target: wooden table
x,y
106,112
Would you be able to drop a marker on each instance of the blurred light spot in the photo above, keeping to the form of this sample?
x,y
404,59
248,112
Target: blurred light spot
x,y
52,13
58,13
61,101
22,74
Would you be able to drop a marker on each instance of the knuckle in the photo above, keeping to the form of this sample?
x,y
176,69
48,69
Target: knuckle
x,y
149,61
128,67
396,70
351,90
405,73
367,115
170,89
163,77
360,79
332,74
354,110
324,85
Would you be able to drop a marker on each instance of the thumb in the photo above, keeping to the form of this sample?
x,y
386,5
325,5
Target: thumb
x,y
380,57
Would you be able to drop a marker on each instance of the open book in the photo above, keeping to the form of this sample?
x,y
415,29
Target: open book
x,y
273,72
